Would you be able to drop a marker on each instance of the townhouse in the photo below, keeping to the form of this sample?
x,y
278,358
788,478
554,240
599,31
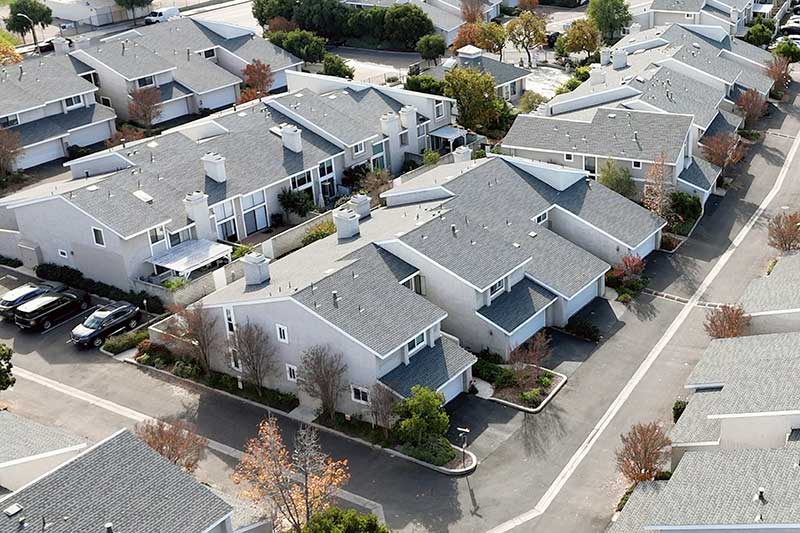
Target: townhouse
x,y
195,64
156,208
119,484
730,15
50,105
509,79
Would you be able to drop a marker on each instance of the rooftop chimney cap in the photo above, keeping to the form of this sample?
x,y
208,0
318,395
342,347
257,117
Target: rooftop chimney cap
x,y
109,527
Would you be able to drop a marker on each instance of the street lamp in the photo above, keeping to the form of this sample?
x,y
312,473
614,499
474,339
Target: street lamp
x,y
462,434
33,30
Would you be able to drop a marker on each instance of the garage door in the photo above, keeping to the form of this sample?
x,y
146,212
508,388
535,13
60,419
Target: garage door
x,y
453,389
40,153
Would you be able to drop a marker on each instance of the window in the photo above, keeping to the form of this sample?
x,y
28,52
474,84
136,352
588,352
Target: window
x,y
182,236
223,211
73,101
688,15
236,363
422,130
156,235
358,149
416,343
497,287
99,238
326,168
291,373
636,164
106,101
568,157
210,54
513,87
377,148
283,333
404,138
255,212
378,162
147,81
7,122
438,109
63,253
302,181
541,218
360,394
230,324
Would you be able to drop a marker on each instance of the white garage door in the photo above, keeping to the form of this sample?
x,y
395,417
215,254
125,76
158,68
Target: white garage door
x,y
40,153
453,389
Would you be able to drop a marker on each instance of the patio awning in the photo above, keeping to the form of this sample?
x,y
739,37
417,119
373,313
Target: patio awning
x,y
449,133
191,255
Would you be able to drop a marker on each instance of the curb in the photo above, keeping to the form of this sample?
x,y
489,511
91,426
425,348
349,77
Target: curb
x,y
273,410
541,406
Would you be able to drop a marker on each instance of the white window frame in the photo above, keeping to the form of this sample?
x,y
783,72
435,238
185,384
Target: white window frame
x,y
101,244
404,135
282,333
306,174
63,253
323,165
418,344
291,373
359,148
212,55
156,230
497,288
424,128
151,84
688,15
361,390
10,120
636,165
542,217
106,101
438,109
230,321
234,354
569,157
77,101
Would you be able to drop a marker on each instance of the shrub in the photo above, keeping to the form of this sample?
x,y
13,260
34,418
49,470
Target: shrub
x,y
242,250
569,85
186,369
479,154
74,278
726,322
421,421
663,475
495,374
531,397
297,202
74,151
505,378
624,298
530,101
154,350
668,242
318,231
582,73
625,497
771,265
750,135
174,283
490,356
131,339
336,520
425,84
160,363
436,451
226,382
430,157
12,262
581,327
545,381
678,408
144,359
334,65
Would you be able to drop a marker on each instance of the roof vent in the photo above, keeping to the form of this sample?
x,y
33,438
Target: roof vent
x,y
143,196
92,188
612,115
453,229
12,509
532,234
109,527
759,497
335,296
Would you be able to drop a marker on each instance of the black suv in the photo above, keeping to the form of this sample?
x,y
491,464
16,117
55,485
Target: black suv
x,y
104,322
47,310
25,293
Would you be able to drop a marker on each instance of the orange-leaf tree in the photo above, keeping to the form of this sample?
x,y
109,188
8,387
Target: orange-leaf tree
x,y
8,54
643,450
726,321
784,231
723,149
258,79
145,106
752,105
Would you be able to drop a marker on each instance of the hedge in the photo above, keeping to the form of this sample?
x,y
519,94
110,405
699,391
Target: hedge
x,y
74,278
12,262
131,339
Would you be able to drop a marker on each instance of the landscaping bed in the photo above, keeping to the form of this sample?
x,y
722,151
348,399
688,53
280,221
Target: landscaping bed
x,y
361,429
528,387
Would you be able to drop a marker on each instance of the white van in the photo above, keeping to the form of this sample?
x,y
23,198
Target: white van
x,y
162,15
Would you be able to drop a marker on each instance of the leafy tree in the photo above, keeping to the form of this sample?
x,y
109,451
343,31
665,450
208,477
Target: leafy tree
x,y
430,157
323,17
323,377
133,5
493,38
431,47
40,14
560,46
610,16
758,35
474,94
336,520
9,148
197,327
421,417
363,23
145,106
723,150
784,231
334,65
124,134
405,24
255,351
778,72
8,54
752,105
297,202
618,179
582,36
472,11
258,79
468,34
527,32
296,485
530,101
789,50
657,188
425,84
303,44
7,380
176,441
643,450
266,10
726,322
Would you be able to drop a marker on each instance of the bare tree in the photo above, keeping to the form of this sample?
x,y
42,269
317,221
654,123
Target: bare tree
x,y
527,5
532,353
657,188
784,231
255,351
723,149
323,377
198,327
752,105
145,106
9,148
296,485
375,182
643,450
381,405
726,322
778,71
472,11
176,441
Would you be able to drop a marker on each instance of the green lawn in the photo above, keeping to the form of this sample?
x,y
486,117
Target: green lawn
x,y
8,37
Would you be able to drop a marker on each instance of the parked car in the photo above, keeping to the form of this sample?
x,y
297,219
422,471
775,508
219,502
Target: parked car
x,y
792,28
162,15
104,322
796,11
25,293
49,309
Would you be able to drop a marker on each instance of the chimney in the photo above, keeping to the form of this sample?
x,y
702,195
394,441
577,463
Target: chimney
x,y
335,296
60,46
620,58
469,52
360,203
214,165
462,154
390,124
81,42
292,138
597,76
196,205
256,268
346,221
109,527
408,119
605,56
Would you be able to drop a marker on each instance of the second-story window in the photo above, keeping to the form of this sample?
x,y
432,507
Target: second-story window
x,y
422,130
210,53
99,238
283,333
568,157
230,325
303,181
147,81
416,343
156,235
10,120
404,138
439,109
326,168
636,164
541,218
358,149
497,287
73,101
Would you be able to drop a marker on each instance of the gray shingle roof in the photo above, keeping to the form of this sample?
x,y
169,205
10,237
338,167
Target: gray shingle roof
x,y
738,4
431,367
201,75
172,91
511,309
44,79
639,508
23,437
609,133
122,481
711,10
701,174
724,122
61,124
779,290
691,6
694,425
373,306
135,62
249,145
501,72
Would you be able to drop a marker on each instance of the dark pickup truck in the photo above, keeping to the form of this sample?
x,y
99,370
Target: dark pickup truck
x,y
25,293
